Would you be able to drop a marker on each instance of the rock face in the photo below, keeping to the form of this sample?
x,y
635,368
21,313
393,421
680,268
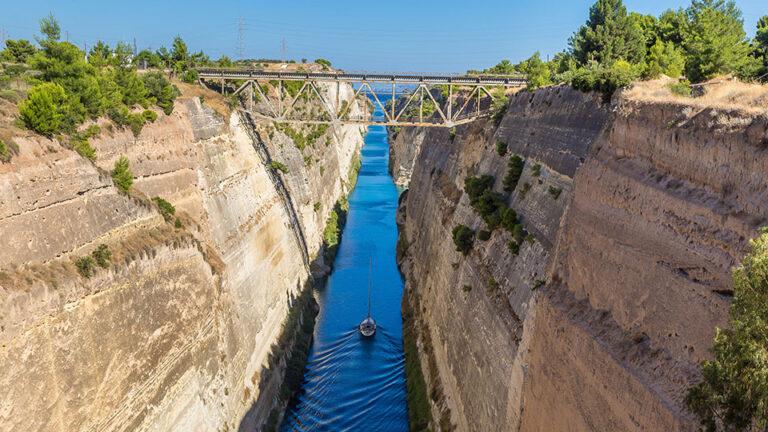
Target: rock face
x,y
640,209
406,144
178,332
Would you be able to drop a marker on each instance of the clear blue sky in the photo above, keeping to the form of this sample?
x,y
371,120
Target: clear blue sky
x,y
389,35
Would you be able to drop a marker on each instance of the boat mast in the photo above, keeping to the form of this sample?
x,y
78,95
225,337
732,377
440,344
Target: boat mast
x,y
370,273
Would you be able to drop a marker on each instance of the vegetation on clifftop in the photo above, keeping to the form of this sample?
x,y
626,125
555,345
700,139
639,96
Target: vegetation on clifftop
x,y
733,394
69,88
615,47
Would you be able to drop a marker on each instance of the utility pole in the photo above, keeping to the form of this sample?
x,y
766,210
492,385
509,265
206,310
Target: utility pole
x,y
67,34
241,38
135,52
2,36
283,50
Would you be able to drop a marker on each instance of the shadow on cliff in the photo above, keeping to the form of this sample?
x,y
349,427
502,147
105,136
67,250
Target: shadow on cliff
x,y
281,379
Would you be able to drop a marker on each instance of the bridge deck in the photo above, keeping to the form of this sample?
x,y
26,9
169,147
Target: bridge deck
x,y
254,74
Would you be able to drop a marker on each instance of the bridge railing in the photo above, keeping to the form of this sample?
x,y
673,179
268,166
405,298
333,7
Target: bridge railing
x,y
239,73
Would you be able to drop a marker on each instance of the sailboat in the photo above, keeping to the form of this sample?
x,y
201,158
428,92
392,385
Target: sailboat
x,y
368,325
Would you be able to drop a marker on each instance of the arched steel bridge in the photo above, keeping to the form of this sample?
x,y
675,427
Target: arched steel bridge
x,y
463,101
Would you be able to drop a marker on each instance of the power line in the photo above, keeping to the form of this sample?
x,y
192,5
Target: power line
x,y
241,38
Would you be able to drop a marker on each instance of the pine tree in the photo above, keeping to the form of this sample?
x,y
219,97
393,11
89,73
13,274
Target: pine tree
x,y
536,70
41,111
733,395
664,58
608,35
715,42
761,46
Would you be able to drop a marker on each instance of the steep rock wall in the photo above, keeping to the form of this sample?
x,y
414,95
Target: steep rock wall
x,y
406,144
178,333
599,324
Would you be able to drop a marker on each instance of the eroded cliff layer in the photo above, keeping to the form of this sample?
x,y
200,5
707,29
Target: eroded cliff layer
x,y
638,210
182,331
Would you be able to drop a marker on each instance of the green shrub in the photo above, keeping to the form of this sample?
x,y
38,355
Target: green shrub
x,y
323,62
102,255
733,393
278,166
508,219
501,147
513,247
538,283
5,153
466,288
83,148
499,105
163,92
519,233
149,116
490,206
167,210
555,192
484,235
122,175
536,170
514,171
42,110
680,88
189,76
92,131
475,186
85,266
463,238
136,123
606,80
177,223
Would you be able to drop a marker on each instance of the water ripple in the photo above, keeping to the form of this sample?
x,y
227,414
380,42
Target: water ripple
x,y
352,383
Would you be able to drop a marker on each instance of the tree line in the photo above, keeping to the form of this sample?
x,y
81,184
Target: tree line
x,y
67,88
615,47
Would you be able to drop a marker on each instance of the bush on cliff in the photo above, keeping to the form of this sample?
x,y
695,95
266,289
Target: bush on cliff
x,y
167,210
85,266
102,255
122,175
43,110
5,153
606,79
515,168
463,238
733,394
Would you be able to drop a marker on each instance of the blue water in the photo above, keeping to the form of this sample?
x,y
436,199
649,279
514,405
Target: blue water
x,y
352,383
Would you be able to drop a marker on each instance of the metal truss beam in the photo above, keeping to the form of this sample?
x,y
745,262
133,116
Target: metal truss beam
x,y
452,112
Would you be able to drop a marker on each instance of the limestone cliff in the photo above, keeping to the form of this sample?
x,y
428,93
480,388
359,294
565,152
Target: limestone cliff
x,y
183,330
406,144
638,209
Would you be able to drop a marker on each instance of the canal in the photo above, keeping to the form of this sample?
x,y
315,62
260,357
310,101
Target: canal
x,y
352,383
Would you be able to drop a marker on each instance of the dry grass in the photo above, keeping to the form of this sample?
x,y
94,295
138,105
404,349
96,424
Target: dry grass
x,y
141,244
213,99
721,93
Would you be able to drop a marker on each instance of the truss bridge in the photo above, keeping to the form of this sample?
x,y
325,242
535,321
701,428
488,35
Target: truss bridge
x,y
403,99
